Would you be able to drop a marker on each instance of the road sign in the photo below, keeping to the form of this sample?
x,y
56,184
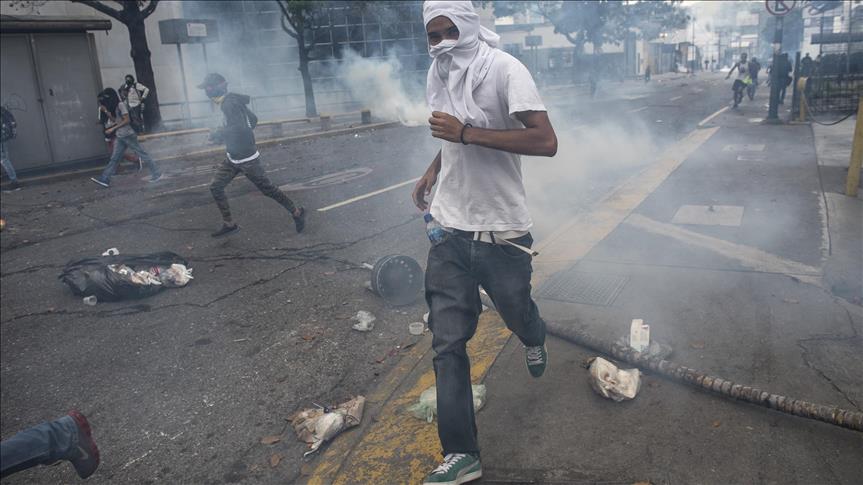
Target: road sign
x,y
533,40
780,7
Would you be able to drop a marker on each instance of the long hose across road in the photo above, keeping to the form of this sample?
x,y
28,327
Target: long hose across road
x,y
829,414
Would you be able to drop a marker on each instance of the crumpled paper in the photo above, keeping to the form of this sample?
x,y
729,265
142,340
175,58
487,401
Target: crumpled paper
x,y
316,426
613,383
426,406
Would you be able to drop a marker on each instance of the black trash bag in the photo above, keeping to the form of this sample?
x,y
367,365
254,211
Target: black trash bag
x,y
91,276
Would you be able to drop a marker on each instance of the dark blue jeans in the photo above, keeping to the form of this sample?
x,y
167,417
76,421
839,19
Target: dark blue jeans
x,y
43,444
456,268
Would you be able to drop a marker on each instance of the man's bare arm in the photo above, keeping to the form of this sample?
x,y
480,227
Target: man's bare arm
x,y
536,138
424,185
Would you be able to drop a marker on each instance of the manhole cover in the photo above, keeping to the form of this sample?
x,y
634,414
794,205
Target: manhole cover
x,y
583,287
328,179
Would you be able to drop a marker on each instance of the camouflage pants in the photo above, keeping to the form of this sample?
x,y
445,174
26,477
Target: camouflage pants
x,y
226,171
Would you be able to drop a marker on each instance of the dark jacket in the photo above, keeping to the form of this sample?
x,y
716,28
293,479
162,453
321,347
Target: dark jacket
x,y
237,132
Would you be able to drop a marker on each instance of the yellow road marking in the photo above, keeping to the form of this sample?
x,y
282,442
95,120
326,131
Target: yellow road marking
x,y
398,448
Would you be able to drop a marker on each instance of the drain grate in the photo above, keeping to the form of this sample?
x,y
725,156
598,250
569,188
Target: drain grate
x,y
583,287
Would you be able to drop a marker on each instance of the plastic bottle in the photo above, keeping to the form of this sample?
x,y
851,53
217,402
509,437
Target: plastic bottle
x,y
436,233
639,335
90,300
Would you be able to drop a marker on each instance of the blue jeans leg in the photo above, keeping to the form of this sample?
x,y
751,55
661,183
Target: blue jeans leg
x,y
43,444
133,144
116,155
452,294
454,272
7,164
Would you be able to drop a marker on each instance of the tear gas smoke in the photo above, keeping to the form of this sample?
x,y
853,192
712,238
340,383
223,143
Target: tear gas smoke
x,y
378,85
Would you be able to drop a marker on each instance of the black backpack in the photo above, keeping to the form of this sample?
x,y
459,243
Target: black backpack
x,y
9,126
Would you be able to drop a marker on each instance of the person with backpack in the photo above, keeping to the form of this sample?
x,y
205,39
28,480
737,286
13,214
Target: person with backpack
x,y
107,122
118,114
133,94
242,156
8,132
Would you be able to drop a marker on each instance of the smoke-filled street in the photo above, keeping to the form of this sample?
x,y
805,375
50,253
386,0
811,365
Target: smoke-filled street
x,y
339,242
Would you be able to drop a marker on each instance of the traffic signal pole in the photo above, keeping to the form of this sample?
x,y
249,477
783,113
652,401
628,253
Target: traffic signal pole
x,y
773,111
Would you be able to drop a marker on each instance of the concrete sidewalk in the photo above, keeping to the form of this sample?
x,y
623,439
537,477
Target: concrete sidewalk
x,y
724,246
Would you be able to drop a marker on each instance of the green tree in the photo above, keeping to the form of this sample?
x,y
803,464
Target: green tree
x,y
299,20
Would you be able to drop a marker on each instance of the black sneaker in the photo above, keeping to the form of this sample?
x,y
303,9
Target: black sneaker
x,y
12,187
225,230
85,456
103,183
300,221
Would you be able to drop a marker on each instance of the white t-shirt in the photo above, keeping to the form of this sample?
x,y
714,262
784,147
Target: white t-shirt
x,y
478,188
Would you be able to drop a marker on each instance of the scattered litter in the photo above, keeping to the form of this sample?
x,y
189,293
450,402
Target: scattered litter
x,y
613,383
270,440
697,344
240,340
275,459
111,252
91,300
116,277
639,335
320,424
426,407
426,317
365,321
716,423
416,328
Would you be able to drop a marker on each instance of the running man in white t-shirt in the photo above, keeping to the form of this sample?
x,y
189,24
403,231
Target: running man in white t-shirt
x,y
486,109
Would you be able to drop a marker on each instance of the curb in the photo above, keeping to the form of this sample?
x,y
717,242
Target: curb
x,y
64,175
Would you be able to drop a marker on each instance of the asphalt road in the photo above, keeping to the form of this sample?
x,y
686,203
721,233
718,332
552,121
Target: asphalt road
x,y
181,387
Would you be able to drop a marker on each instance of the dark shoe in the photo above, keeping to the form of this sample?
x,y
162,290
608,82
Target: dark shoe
x,y
300,221
85,456
12,187
156,177
225,230
103,183
457,468
536,359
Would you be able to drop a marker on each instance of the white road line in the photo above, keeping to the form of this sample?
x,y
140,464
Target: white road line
x,y
675,98
366,196
707,120
184,189
636,110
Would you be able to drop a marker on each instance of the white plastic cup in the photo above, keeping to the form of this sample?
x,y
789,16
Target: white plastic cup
x,y
90,300
416,328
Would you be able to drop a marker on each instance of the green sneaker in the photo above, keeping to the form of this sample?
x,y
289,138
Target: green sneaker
x,y
456,468
536,358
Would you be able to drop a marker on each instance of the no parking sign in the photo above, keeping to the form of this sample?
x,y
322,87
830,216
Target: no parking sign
x,y
780,7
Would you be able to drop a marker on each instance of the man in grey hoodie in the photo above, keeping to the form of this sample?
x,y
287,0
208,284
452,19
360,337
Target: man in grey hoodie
x,y
242,155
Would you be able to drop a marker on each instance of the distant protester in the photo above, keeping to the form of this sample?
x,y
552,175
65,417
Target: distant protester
x,y
68,438
8,132
118,114
487,111
242,156
133,94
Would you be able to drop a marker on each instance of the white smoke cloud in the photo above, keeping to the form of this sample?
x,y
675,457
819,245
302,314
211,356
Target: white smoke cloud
x,y
378,85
